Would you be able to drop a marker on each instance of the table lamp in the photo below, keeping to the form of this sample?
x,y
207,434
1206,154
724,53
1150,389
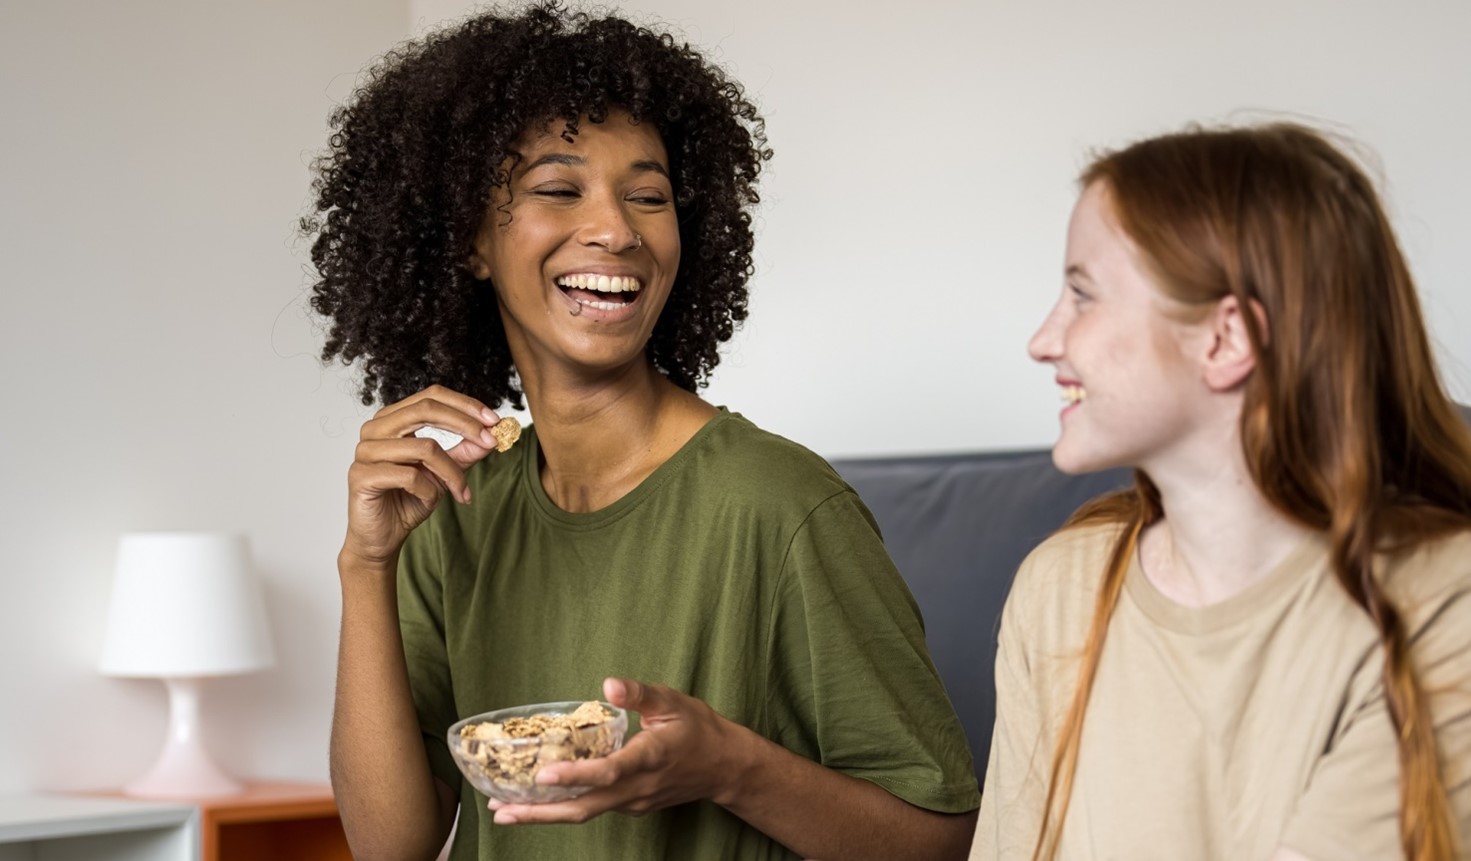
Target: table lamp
x,y
184,607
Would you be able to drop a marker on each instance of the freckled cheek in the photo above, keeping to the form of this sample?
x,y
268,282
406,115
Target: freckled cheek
x,y
1116,354
1120,346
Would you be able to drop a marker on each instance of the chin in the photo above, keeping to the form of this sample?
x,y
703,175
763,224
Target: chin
x,y
1077,463
1065,464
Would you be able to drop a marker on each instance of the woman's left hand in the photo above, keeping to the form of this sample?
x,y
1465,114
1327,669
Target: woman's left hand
x,y
685,751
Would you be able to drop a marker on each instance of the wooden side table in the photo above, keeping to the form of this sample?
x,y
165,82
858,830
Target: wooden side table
x,y
275,821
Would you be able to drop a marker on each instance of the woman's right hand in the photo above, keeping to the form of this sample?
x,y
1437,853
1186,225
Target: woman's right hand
x,y
397,479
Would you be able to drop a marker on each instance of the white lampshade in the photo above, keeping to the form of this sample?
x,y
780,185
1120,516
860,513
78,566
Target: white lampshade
x,y
184,605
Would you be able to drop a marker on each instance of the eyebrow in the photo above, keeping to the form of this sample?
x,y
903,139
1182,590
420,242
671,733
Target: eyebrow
x,y
1078,270
578,161
651,166
557,158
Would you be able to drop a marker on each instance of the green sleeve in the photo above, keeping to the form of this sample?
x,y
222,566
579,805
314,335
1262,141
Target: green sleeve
x,y
850,678
421,623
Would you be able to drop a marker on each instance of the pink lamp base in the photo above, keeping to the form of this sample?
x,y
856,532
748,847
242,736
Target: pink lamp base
x,y
184,768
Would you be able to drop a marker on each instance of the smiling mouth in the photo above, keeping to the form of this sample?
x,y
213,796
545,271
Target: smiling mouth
x,y
604,292
1073,394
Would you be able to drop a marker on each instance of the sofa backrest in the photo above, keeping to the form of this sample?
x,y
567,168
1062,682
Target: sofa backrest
x,y
957,527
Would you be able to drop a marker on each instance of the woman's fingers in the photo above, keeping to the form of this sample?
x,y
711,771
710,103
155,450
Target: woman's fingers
x,y
377,479
632,794
407,419
397,478
423,456
601,771
436,392
429,412
385,502
634,780
476,415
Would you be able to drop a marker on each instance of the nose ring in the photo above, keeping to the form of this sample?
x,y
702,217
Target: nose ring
x,y
640,239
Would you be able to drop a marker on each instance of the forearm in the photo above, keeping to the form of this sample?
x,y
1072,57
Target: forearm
x,y
390,804
821,813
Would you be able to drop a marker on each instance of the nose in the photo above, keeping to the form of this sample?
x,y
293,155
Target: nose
x,y
608,225
1046,343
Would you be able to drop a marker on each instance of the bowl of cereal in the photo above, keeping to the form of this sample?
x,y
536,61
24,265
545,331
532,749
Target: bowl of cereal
x,y
501,751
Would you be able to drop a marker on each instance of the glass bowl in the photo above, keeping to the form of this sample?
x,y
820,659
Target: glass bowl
x,y
501,751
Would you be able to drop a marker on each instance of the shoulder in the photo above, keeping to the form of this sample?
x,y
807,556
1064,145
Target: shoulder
x,y
1071,559
1428,581
756,464
1056,587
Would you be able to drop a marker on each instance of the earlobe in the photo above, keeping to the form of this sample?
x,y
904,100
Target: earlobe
x,y
478,266
1232,358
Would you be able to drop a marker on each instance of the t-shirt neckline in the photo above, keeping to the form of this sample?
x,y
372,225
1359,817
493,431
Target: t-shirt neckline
x,y
1292,573
531,478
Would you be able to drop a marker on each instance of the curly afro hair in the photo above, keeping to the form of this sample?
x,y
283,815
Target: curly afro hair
x,y
413,158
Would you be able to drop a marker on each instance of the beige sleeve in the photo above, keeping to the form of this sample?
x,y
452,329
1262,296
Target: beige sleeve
x,y
1015,785
1350,809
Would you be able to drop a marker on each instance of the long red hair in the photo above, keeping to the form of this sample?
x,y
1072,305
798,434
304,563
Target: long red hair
x,y
1345,425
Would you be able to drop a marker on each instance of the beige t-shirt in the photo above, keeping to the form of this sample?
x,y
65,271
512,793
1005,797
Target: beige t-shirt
x,y
1226,731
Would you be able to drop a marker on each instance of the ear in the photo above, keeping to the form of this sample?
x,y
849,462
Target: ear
x,y
479,266
1231,358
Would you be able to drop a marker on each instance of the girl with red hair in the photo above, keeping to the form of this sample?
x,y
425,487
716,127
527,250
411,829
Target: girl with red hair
x,y
1262,650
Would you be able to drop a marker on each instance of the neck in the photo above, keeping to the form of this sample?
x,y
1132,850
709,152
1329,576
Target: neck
x,y
600,438
1219,534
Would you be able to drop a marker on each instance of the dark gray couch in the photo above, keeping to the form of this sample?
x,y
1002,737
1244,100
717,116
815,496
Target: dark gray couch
x,y
957,527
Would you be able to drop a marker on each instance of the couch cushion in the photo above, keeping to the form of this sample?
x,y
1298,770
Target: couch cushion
x,y
957,527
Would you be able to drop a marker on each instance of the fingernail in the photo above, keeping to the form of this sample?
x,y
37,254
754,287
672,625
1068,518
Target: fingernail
x,y
489,415
546,778
465,496
487,439
504,818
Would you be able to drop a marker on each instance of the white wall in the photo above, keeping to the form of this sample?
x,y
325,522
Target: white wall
x,y
158,372
158,364
912,230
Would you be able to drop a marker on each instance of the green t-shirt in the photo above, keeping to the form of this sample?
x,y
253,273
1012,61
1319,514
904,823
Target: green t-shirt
x,y
743,571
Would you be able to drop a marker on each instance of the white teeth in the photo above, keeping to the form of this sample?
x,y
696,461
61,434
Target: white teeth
x,y
1074,394
601,283
604,306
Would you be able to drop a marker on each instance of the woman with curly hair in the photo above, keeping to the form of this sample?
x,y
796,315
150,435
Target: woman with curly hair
x,y
1263,649
552,209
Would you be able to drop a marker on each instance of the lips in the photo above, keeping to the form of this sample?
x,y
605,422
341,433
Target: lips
x,y
600,291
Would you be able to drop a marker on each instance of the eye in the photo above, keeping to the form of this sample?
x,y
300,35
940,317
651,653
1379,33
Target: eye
x,y
649,198
1078,293
557,191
